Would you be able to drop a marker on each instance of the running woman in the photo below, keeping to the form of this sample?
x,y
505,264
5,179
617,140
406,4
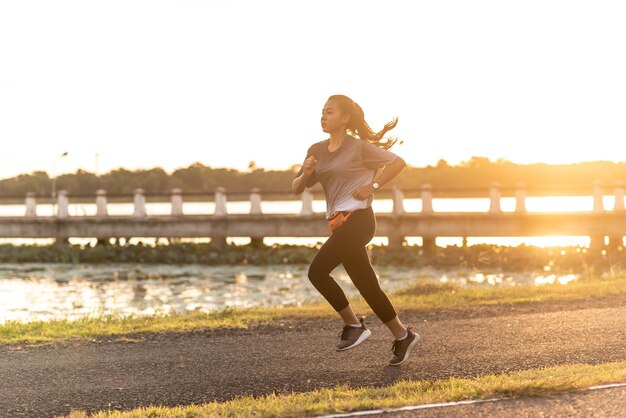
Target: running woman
x,y
346,165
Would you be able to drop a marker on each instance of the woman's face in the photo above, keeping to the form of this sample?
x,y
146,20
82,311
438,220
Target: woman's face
x,y
332,120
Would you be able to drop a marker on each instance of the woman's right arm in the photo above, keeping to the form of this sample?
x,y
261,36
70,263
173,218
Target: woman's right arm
x,y
299,183
306,176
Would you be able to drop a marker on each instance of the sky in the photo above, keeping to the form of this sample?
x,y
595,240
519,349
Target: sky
x,y
144,84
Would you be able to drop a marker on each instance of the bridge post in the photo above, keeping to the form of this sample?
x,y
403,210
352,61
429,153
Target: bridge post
x,y
220,201
395,239
520,198
494,197
177,202
598,195
102,212
597,240
596,243
428,243
398,201
218,240
63,204
427,198
616,241
101,203
255,209
62,213
307,203
140,203
31,205
255,201
618,192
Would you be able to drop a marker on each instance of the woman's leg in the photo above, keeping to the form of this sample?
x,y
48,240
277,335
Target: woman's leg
x,y
396,327
362,273
348,315
350,237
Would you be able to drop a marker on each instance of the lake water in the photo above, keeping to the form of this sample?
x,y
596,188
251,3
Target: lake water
x,y
45,291
33,291
533,204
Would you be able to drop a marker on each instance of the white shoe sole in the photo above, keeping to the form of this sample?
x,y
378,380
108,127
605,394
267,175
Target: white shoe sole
x,y
408,350
364,336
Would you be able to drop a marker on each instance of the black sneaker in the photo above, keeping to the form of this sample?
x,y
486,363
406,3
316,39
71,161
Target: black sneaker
x,y
402,348
353,336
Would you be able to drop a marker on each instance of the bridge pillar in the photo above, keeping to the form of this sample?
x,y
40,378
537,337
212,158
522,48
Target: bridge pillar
x,y
218,240
62,203
256,242
255,202
140,203
398,201
618,192
520,198
427,198
177,202
101,203
617,241
62,213
494,197
397,240
61,241
598,204
307,203
101,212
220,202
596,243
255,209
31,205
429,245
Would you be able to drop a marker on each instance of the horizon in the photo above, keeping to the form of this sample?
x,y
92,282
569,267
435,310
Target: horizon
x,y
170,172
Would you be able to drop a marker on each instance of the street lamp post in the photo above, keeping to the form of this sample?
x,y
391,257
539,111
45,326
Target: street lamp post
x,y
54,179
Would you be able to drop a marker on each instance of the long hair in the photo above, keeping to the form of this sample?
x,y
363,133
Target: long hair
x,y
358,127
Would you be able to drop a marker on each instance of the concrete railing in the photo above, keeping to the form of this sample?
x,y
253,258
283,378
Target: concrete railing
x,y
395,225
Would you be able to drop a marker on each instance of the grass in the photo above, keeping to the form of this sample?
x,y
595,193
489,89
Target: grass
x,y
342,399
419,297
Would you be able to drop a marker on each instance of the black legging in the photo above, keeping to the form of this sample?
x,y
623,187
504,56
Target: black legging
x,y
347,245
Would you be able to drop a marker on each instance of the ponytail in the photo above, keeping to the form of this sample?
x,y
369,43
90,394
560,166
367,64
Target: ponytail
x,y
358,127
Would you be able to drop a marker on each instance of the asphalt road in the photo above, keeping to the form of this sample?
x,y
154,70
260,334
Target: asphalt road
x,y
194,367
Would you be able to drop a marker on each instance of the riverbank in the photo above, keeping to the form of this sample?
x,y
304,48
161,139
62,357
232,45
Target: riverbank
x,y
496,258
417,298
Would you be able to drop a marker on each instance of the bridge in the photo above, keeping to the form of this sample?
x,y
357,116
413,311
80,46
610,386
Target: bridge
x,y
428,224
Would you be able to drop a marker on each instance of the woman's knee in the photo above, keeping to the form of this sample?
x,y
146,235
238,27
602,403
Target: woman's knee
x,y
317,272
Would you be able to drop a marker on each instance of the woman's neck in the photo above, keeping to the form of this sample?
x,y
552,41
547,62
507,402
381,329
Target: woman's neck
x,y
336,138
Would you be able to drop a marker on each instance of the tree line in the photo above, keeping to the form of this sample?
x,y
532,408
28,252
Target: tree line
x,y
475,174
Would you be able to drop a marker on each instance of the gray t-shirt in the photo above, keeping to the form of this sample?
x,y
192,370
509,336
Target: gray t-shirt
x,y
354,164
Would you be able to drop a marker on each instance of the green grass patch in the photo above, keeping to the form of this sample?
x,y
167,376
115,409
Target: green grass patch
x,y
419,297
342,399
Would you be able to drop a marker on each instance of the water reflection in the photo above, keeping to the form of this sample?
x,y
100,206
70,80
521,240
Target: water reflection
x,y
40,291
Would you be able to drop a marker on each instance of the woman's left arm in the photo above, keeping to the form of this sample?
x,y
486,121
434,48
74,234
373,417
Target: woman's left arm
x,y
389,172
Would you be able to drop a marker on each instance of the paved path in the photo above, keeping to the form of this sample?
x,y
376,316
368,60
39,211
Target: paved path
x,y
194,367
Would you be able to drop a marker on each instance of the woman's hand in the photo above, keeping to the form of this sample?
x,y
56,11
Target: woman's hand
x,y
309,165
363,192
